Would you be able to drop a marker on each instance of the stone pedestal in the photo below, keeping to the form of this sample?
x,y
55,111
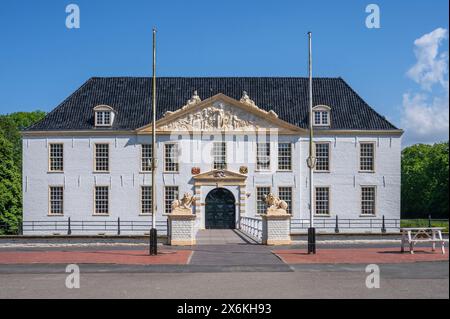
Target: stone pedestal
x,y
276,227
181,230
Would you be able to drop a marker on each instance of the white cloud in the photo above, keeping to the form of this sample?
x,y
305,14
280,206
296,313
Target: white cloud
x,y
431,67
425,113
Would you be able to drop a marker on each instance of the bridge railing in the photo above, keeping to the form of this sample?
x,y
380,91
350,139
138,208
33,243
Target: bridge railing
x,y
251,226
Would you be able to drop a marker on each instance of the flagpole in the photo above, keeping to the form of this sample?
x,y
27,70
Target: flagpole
x,y
153,231
311,159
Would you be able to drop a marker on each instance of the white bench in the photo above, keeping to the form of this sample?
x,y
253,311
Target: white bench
x,y
412,236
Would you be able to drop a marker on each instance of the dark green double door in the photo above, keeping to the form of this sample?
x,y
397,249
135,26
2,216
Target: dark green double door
x,y
220,210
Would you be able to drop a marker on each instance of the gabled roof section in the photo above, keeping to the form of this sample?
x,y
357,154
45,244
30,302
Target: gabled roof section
x,y
130,97
253,117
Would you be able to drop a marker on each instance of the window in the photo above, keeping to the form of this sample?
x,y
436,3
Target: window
x,y
263,156
219,153
102,200
146,158
103,118
102,157
261,193
146,200
321,118
284,156
285,193
317,118
322,157
368,200
104,115
56,200
170,194
322,201
367,157
171,157
56,157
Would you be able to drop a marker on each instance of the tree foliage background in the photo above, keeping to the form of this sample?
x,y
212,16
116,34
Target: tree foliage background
x,y
425,181
11,167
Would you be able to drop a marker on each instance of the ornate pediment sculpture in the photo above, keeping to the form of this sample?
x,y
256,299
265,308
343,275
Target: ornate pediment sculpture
x,y
246,99
194,99
218,116
219,174
220,113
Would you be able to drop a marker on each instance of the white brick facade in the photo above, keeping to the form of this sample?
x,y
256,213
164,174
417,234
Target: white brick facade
x,y
125,179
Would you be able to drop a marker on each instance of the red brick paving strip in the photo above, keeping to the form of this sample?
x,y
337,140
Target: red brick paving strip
x,y
123,257
359,256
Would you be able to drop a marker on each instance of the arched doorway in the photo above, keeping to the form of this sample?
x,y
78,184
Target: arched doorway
x,y
220,209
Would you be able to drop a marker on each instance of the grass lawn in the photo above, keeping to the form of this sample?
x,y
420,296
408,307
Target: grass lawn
x,y
424,223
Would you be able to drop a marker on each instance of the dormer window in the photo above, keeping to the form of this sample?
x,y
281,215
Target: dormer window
x,y
321,115
103,118
104,115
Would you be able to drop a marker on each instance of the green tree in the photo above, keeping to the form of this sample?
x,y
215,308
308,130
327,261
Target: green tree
x,y
12,124
425,181
10,188
437,172
11,167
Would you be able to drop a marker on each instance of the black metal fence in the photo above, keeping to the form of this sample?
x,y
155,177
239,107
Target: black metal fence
x,y
383,225
123,227
338,225
94,227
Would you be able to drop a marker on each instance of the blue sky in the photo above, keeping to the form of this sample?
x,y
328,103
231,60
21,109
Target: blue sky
x,y
42,62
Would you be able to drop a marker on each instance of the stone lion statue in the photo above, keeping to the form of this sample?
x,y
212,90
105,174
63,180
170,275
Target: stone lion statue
x,y
274,202
185,202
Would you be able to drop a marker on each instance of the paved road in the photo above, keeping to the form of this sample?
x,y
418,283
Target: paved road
x,y
233,270
417,280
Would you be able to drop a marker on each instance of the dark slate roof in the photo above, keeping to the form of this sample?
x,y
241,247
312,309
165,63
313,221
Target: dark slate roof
x,y
287,96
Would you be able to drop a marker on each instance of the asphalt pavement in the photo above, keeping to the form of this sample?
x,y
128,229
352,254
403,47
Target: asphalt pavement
x,y
234,268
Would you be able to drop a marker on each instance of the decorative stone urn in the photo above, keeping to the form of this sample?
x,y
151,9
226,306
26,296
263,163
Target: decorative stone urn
x,y
276,228
181,230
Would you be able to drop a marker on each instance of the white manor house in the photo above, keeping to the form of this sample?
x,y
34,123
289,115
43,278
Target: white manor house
x,y
229,141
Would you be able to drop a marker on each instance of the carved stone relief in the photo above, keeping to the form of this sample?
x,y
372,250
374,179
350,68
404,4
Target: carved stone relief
x,y
219,116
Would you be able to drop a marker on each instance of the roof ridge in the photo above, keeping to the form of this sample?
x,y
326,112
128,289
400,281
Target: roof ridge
x,y
216,77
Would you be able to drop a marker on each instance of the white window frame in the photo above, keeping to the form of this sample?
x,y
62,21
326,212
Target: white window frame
x,y
328,214
108,159
168,202
100,115
317,158
258,167
374,201
290,202
50,200
50,158
288,157
108,202
148,166
361,143
321,110
144,200
257,198
222,146
175,158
